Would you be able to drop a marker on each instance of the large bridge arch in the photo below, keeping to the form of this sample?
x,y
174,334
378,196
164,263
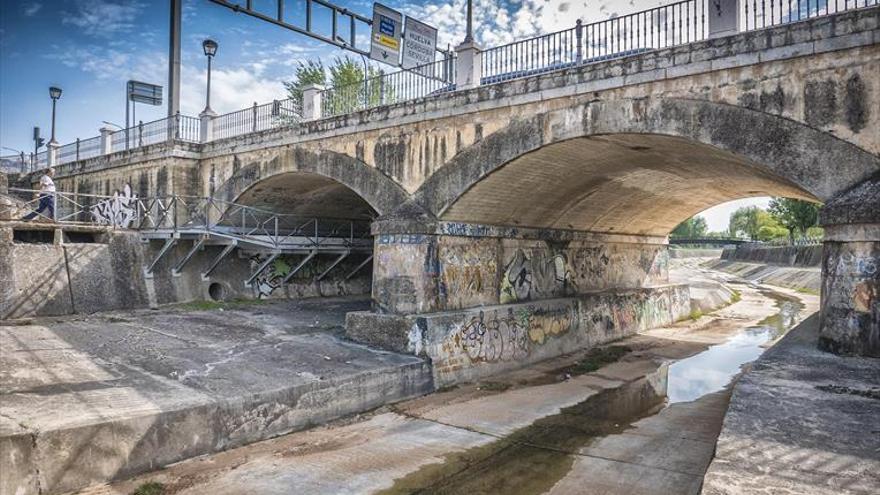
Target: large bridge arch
x,y
641,152
295,175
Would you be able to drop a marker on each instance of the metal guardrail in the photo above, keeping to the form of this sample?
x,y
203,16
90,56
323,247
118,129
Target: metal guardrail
x,y
190,214
173,215
279,113
79,208
177,128
386,89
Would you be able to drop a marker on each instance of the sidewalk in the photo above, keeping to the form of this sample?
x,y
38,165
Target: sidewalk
x,y
802,421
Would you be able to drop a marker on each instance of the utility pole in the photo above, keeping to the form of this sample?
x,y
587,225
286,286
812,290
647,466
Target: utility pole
x,y
174,59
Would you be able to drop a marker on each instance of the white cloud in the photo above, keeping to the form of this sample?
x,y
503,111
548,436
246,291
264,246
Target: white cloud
x,y
30,9
104,18
231,89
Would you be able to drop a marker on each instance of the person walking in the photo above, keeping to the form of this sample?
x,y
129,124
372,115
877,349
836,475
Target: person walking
x,y
47,196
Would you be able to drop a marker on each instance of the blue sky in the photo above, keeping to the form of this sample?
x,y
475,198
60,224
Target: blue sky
x,y
90,48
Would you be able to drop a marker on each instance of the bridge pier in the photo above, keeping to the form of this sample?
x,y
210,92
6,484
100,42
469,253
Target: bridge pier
x,y
851,272
479,299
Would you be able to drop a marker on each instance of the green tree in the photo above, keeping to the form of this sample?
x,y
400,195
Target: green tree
x,y
756,224
311,72
796,215
692,228
346,80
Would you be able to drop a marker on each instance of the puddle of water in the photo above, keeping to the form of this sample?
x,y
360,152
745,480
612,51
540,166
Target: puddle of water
x,y
713,369
534,458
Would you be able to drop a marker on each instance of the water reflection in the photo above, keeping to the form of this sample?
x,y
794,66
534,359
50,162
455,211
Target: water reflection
x,y
711,370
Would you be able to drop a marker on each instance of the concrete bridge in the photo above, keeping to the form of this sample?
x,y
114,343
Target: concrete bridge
x,y
514,220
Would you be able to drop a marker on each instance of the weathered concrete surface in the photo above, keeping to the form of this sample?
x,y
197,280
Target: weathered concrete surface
x,y
467,345
801,421
367,455
851,272
59,277
462,266
89,399
805,256
666,453
709,289
806,279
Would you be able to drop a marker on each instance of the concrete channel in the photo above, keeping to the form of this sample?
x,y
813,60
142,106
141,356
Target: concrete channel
x,y
645,423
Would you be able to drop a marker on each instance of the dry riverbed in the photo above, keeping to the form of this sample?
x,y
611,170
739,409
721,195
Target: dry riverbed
x,y
638,417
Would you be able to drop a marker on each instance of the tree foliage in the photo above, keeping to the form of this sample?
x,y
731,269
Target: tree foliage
x,y
796,215
345,76
311,72
756,224
692,228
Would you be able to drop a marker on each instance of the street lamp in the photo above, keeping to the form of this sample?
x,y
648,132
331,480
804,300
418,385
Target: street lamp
x,y
210,47
54,93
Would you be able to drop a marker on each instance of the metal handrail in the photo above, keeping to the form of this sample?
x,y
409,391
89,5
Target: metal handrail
x,y
385,89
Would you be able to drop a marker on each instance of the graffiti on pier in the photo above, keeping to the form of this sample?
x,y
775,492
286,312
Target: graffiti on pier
x,y
468,274
537,275
118,211
500,336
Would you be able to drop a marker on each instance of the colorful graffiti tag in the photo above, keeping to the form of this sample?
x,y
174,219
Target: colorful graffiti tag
x,y
499,336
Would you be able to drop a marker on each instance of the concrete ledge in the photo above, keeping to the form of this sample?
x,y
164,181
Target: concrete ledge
x,y
800,422
471,344
92,400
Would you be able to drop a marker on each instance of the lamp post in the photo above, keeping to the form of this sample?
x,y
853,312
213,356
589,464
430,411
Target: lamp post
x,y
210,47
469,32
54,93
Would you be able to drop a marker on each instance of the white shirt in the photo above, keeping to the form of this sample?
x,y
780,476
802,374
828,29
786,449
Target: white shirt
x,y
46,184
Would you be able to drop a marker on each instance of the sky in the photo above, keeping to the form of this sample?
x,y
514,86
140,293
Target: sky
x,y
90,48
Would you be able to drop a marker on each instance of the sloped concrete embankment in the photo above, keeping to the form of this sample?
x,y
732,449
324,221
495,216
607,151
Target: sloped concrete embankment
x,y
804,279
86,401
793,267
801,421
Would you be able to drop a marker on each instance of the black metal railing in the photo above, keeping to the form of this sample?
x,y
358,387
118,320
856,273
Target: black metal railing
x,y
277,114
386,89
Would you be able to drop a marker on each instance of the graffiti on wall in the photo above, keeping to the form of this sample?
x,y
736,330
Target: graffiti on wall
x,y
468,274
118,211
508,336
270,279
515,332
536,275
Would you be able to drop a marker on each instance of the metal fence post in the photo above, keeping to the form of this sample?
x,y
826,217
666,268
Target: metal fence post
x,y
77,149
140,133
255,117
579,31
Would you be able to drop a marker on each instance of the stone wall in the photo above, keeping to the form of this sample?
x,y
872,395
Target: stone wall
x,y
472,344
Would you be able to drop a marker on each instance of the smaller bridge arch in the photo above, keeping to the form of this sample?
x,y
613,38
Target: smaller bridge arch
x,y
317,183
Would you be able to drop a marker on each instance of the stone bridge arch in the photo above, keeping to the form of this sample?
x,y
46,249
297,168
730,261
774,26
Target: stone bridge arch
x,y
644,153
294,176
